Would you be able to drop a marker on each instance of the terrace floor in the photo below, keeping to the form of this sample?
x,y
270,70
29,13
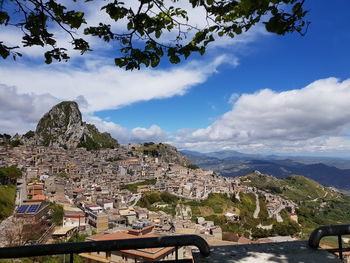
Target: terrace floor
x,y
284,252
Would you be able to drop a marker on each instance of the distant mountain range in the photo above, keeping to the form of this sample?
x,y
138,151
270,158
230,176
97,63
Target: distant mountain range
x,y
327,171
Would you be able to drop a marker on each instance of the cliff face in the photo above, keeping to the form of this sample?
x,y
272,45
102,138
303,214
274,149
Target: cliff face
x,y
63,126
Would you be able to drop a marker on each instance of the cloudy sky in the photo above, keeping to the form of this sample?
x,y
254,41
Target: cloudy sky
x,y
259,93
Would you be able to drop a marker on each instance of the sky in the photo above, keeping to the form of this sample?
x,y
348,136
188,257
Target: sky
x,y
259,93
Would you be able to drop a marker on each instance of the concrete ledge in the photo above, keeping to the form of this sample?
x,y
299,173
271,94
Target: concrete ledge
x,y
284,252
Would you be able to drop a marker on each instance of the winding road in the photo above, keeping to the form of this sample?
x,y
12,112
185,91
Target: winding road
x,y
257,209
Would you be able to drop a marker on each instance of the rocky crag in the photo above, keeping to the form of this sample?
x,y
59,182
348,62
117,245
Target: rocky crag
x,y
63,127
165,152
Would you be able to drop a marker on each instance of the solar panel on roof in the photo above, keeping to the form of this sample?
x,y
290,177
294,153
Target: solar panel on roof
x,y
22,209
33,209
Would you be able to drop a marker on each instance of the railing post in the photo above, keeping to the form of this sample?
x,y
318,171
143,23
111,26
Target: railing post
x,y
176,253
71,258
340,246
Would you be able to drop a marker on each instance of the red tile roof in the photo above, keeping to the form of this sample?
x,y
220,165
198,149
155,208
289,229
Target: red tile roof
x,y
79,190
39,197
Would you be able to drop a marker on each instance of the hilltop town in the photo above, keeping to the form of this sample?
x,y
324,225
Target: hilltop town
x,y
93,183
69,190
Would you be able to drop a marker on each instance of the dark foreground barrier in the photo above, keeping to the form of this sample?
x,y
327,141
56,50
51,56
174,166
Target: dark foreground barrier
x,y
111,245
334,230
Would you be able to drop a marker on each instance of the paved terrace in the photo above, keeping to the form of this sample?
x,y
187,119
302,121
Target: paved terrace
x,y
284,252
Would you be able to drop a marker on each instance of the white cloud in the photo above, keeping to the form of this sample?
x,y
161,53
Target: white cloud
x,y
107,87
21,112
233,98
312,119
124,136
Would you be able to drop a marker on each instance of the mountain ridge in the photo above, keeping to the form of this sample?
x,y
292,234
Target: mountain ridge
x,y
325,174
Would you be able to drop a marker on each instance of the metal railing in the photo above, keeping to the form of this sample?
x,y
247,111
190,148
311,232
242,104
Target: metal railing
x,y
334,230
110,245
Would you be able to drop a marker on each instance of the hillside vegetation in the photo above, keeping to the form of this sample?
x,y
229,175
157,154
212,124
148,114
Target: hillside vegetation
x,y
151,200
7,200
217,205
318,205
97,140
8,177
133,187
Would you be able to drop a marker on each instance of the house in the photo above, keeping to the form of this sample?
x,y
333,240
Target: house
x,y
78,192
64,232
73,216
141,213
129,215
105,203
140,231
231,217
33,210
99,221
294,217
61,200
35,189
200,220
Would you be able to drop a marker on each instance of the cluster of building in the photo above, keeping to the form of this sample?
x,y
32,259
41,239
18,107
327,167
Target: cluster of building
x,y
87,184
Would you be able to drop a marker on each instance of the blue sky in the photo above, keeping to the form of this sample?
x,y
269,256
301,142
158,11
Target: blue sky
x,y
273,62
289,94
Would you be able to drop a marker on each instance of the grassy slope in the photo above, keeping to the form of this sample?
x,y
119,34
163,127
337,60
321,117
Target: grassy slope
x,y
318,205
218,204
7,200
214,209
133,187
150,198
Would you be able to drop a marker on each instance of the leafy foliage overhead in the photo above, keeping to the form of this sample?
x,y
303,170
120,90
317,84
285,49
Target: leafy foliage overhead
x,y
148,27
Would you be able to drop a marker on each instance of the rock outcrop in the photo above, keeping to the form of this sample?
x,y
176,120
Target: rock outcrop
x,y
165,152
62,126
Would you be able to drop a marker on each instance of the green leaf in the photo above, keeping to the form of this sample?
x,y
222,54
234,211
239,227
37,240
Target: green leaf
x,y
155,62
4,51
158,33
201,50
120,62
4,17
175,59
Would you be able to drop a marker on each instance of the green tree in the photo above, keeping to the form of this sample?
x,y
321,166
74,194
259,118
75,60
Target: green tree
x,y
193,166
9,175
57,214
168,197
142,40
76,237
15,143
29,134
